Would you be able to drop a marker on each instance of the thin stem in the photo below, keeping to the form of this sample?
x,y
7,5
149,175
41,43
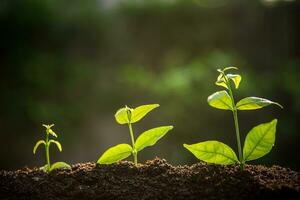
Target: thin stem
x,y
237,130
236,124
133,144
47,152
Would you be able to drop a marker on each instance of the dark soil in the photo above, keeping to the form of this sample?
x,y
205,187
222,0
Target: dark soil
x,y
154,180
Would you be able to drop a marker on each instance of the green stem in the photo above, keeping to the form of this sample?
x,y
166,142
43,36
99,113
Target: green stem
x,y
47,152
236,124
237,131
133,144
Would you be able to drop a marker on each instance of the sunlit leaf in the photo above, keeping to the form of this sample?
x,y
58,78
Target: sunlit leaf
x,y
220,100
150,137
60,165
236,78
122,115
57,144
139,112
115,153
44,168
229,68
48,126
52,133
221,81
213,152
252,103
259,141
37,145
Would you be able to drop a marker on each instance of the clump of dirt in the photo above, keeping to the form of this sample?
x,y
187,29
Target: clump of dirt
x,y
156,179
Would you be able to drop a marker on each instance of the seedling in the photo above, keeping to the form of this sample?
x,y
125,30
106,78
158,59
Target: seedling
x,y
259,140
48,167
129,116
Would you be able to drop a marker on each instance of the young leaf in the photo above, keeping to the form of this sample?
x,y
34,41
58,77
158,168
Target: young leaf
x,y
44,168
122,116
60,165
37,145
252,103
150,137
236,78
115,153
139,112
48,126
229,68
259,141
220,100
57,144
52,133
213,152
221,81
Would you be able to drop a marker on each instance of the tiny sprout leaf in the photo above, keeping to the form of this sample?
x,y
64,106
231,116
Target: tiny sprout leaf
x,y
44,168
37,145
220,100
259,141
60,165
221,81
115,154
253,103
150,137
52,133
213,152
122,116
48,126
236,78
139,112
57,144
229,68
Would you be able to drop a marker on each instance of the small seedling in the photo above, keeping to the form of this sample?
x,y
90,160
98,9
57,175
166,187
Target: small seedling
x,y
48,167
129,116
259,140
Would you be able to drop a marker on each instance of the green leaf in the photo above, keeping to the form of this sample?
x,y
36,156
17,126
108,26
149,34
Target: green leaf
x,y
229,68
236,78
139,112
252,103
115,153
52,133
220,100
259,141
49,130
60,165
213,152
150,137
44,168
57,144
37,144
122,115
221,81
48,126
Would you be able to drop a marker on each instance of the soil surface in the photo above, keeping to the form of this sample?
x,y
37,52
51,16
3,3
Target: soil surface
x,y
156,179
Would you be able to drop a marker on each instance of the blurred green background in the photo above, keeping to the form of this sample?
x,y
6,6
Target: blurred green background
x,y
75,63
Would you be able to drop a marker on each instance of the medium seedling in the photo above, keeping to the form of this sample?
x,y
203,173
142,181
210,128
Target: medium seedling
x,y
259,140
47,142
129,116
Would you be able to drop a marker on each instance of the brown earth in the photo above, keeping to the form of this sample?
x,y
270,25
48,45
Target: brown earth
x,y
156,179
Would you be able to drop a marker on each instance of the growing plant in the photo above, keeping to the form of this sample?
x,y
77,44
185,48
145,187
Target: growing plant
x,y
259,140
47,142
129,116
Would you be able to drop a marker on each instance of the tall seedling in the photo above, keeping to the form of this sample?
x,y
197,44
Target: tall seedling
x,y
259,140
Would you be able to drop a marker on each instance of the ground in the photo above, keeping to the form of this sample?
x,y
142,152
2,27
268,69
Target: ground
x,y
156,179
